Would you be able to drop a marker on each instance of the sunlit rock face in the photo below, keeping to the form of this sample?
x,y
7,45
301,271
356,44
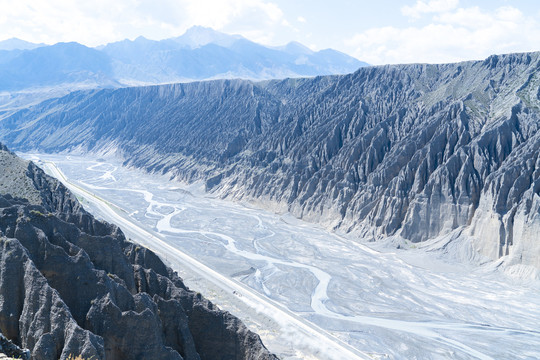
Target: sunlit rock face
x,y
409,150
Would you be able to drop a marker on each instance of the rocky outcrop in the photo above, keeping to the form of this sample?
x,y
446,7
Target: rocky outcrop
x,y
410,150
23,179
72,285
8,350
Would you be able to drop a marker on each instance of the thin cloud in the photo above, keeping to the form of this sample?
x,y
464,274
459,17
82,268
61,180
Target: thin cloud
x,y
425,7
461,34
101,21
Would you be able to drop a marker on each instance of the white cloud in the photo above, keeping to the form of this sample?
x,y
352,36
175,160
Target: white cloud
x,y
219,13
509,13
100,21
424,7
469,18
301,19
256,20
460,34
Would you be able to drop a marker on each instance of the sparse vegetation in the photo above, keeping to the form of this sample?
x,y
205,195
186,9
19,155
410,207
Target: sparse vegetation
x,y
78,357
37,213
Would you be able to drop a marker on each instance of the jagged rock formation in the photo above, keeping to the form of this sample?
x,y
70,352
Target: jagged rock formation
x,y
410,150
8,350
72,285
23,179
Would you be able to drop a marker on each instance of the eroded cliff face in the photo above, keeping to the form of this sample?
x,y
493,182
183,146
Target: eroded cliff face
x,y
72,285
410,150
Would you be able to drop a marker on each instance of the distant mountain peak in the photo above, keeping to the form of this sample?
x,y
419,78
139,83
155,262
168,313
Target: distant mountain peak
x,y
140,38
295,48
18,44
197,36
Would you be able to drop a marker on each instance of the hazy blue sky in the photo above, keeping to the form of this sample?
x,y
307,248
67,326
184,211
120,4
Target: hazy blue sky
x,y
380,31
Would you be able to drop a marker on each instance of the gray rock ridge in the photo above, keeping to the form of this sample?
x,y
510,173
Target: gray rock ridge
x,y
72,285
7,348
23,179
415,151
32,312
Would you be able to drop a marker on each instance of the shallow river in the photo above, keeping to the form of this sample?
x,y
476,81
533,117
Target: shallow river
x,y
377,302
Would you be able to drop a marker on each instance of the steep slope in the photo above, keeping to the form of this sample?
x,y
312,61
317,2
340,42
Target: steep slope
x,y
71,285
416,151
10,351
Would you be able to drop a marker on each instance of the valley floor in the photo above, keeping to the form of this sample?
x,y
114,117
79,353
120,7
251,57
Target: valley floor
x,y
307,292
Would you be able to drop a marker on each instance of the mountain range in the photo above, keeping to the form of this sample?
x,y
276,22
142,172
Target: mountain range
x,y
403,152
201,53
